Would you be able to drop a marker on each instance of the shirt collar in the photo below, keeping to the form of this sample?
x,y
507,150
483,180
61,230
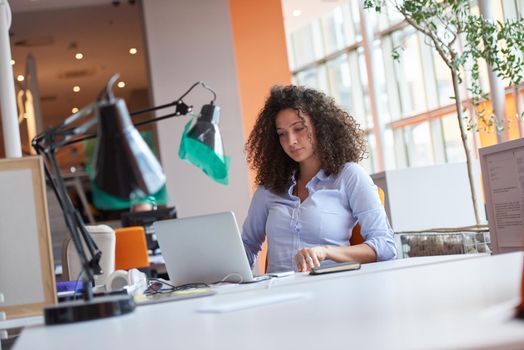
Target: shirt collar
x,y
321,175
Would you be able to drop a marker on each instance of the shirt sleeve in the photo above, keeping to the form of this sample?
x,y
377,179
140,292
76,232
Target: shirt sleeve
x,y
369,212
254,228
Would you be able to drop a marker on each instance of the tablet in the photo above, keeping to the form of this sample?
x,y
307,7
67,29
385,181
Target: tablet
x,y
335,267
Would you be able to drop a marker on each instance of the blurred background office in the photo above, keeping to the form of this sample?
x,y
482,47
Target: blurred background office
x,y
241,48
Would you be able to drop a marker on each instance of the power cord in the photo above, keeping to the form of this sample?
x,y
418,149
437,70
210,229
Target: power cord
x,y
158,286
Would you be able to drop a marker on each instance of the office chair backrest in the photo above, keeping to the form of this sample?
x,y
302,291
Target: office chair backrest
x,y
104,237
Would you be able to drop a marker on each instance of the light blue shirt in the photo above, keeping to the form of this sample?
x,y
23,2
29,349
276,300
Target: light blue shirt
x,y
326,217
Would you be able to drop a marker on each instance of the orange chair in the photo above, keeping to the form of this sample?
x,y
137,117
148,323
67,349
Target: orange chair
x,y
131,248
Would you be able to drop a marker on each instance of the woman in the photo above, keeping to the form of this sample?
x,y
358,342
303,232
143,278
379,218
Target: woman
x,y
311,191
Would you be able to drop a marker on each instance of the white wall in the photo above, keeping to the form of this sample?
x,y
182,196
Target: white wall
x,y
430,197
189,41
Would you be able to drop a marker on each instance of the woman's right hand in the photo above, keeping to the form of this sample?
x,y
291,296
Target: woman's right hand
x,y
308,258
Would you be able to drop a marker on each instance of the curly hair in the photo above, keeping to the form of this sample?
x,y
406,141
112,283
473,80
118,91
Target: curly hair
x,y
339,138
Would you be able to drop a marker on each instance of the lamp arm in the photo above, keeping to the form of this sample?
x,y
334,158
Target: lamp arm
x,y
154,120
180,109
46,144
75,222
61,135
145,122
179,103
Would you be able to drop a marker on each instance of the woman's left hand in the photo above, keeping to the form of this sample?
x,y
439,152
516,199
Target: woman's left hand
x,y
307,258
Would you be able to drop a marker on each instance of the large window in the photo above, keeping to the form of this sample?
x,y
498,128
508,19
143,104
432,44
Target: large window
x,y
415,119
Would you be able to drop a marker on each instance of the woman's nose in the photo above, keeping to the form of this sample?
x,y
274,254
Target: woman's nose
x,y
292,139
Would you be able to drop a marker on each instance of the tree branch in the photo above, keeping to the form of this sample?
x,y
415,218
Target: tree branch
x,y
430,34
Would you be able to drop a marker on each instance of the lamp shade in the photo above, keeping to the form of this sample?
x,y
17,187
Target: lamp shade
x,y
201,144
124,166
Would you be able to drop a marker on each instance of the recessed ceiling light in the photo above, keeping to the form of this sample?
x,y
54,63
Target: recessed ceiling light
x,y
20,77
12,62
76,88
297,13
121,84
79,55
133,51
74,110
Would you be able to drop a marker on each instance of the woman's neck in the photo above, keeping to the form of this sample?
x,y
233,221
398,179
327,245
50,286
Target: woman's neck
x,y
308,169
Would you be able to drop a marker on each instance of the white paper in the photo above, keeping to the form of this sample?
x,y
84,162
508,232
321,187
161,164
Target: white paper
x,y
506,178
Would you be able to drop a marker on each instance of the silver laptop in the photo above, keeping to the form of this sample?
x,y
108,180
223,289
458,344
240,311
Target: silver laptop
x,y
203,249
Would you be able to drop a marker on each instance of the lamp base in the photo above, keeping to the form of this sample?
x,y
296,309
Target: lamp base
x,y
81,310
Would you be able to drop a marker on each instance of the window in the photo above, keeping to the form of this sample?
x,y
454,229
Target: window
x,y
334,31
409,73
369,162
314,77
452,141
340,81
368,121
417,125
418,143
307,44
443,80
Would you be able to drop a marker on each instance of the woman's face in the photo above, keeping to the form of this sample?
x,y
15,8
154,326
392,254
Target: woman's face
x,y
296,135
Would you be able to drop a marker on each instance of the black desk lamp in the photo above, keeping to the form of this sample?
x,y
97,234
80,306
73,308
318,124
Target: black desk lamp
x,y
124,167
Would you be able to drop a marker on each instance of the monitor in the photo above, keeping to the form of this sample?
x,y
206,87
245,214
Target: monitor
x,y
502,169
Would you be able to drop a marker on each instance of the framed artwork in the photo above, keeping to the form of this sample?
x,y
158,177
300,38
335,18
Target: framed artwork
x,y
27,278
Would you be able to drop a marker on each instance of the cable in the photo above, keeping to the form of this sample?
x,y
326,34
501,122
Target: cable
x,y
241,279
76,284
155,287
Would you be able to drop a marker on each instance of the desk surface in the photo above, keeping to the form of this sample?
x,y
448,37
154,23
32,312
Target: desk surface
x,y
431,304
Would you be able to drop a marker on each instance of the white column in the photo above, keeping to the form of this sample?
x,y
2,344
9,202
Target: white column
x,y
188,41
496,85
374,93
13,147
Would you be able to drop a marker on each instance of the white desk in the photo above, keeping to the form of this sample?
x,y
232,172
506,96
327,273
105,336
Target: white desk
x,y
465,303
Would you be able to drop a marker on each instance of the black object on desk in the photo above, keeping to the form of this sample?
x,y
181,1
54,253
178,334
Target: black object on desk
x,y
335,267
146,219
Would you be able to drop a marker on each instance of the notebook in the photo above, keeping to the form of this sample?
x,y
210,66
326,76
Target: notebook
x,y
204,249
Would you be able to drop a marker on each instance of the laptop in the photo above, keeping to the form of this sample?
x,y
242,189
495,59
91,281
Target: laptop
x,y
204,249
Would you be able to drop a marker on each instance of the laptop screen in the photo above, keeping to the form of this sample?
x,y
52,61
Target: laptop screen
x,y
203,249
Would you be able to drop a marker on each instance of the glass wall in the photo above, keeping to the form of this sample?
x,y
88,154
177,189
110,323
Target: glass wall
x,y
416,113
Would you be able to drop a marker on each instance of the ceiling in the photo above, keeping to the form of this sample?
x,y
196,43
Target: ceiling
x,y
53,31
309,9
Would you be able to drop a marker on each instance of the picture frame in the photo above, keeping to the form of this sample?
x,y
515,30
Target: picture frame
x,y
27,277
